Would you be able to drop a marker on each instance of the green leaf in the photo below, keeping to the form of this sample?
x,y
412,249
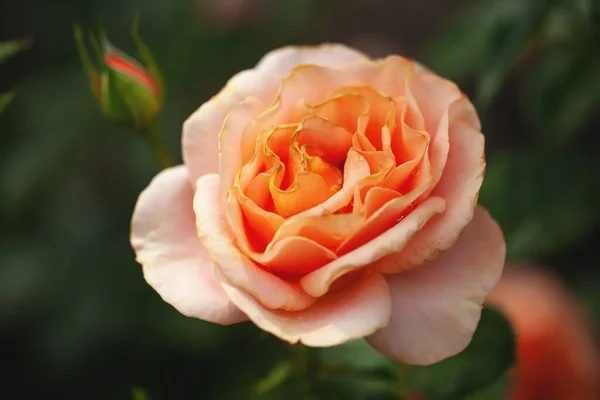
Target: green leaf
x,y
497,391
356,385
10,48
276,377
490,354
355,370
357,354
541,208
562,92
468,44
5,99
513,42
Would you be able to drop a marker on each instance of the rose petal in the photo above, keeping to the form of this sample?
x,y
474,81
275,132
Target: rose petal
x,y
279,62
322,138
434,95
318,282
355,169
442,103
355,312
230,140
459,186
174,261
301,90
387,75
389,215
201,129
271,291
436,307
329,230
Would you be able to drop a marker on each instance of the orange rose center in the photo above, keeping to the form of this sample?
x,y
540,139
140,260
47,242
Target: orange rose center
x,y
347,156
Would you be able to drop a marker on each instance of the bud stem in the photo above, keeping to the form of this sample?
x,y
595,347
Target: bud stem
x,y
158,146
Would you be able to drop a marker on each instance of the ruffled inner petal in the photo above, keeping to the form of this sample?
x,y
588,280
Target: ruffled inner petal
x,y
332,164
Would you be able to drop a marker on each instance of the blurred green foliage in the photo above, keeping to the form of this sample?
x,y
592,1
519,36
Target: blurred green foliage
x,y
76,317
7,50
355,371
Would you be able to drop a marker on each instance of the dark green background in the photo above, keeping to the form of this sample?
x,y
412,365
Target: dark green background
x,y
77,320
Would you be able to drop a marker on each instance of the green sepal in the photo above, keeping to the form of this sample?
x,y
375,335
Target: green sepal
x,y
147,58
91,71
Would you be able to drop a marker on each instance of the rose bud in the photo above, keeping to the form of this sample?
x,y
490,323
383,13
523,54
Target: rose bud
x,y
128,92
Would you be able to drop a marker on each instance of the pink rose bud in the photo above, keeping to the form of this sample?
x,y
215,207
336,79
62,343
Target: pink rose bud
x,y
128,92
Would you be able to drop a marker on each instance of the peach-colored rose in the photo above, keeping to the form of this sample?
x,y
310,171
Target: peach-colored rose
x,y
557,357
323,197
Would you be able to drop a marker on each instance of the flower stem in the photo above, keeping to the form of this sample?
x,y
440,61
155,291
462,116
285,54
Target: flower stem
x,y
158,146
305,363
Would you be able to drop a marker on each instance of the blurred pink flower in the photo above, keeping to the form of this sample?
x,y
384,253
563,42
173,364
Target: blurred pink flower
x,y
557,357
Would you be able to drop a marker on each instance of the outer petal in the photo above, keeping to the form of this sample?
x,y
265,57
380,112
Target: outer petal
x,y
459,186
174,261
233,267
436,307
278,62
387,75
201,129
230,140
352,313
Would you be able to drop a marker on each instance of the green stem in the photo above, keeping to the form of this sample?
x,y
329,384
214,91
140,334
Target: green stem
x,y
158,146
305,363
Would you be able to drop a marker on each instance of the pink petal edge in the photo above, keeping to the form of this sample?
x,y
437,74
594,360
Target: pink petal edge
x,y
436,307
173,259
334,319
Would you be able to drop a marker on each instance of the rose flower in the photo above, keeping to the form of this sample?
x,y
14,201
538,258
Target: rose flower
x,y
327,197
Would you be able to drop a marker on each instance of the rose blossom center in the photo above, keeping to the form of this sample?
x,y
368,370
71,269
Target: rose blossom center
x,y
303,164
330,176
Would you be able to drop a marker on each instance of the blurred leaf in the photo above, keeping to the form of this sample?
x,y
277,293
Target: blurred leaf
x,y
355,385
490,354
358,354
139,394
535,198
277,376
512,42
355,370
593,9
5,98
487,41
562,92
497,391
91,71
10,48
467,44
